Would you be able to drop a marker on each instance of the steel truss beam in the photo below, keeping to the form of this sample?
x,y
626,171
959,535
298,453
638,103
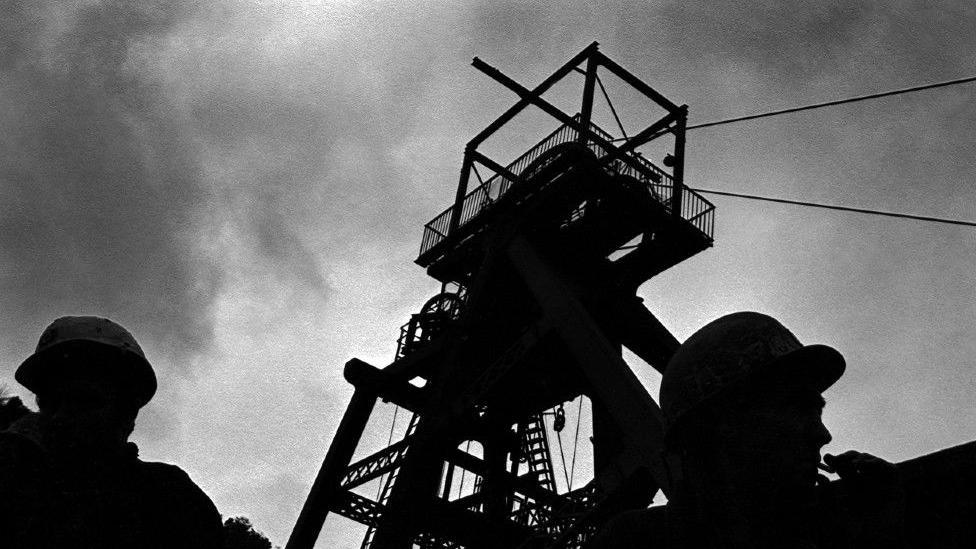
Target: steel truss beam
x,y
358,508
375,466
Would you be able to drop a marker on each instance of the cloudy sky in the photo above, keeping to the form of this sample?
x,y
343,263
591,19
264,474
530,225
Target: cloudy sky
x,y
243,185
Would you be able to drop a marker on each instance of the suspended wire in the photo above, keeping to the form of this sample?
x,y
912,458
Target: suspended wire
x,y
841,208
562,456
835,102
389,441
613,110
572,468
815,106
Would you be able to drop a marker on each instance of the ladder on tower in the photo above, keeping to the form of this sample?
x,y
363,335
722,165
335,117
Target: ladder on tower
x,y
388,485
535,452
536,447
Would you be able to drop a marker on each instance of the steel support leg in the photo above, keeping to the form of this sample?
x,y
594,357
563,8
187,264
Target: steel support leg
x,y
310,520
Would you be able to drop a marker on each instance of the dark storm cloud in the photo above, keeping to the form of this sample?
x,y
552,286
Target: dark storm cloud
x,y
118,181
99,182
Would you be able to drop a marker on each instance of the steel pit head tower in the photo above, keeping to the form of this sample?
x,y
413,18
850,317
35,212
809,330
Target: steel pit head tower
x,y
539,265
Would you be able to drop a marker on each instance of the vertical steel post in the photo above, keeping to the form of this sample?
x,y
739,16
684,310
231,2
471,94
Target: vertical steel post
x,y
316,508
586,109
448,480
462,191
679,161
517,450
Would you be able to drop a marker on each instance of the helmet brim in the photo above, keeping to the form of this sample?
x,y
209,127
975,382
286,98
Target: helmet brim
x,y
815,366
132,374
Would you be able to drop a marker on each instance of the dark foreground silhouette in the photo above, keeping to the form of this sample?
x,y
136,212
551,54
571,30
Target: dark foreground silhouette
x,y
68,475
240,534
742,400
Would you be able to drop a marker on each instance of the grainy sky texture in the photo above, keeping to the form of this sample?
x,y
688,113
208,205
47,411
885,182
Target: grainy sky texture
x,y
243,184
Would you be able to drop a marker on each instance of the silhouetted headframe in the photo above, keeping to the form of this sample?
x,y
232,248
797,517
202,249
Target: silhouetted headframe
x,y
539,265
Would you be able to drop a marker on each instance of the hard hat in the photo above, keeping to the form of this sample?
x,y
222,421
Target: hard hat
x,y
54,360
733,350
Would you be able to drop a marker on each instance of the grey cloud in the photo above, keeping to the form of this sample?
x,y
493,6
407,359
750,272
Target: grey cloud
x,y
788,44
139,131
100,182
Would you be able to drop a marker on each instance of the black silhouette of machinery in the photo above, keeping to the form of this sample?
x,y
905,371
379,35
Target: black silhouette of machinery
x,y
539,264
433,318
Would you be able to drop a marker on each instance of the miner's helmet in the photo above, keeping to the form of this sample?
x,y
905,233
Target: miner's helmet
x,y
89,346
736,352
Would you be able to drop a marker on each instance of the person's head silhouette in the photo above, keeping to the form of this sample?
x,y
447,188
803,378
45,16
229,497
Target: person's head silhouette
x,y
90,377
742,398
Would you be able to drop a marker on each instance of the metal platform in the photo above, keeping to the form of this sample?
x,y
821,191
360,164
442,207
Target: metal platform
x,y
539,170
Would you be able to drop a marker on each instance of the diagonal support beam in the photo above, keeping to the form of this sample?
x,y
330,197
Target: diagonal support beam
x,y
641,332
626,400
527,95
653,130
375,465
326,485
612,151
498,168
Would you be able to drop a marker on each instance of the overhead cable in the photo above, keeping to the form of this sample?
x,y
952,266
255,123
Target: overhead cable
x,y
816,106
841,208
559,438
835,102
572,469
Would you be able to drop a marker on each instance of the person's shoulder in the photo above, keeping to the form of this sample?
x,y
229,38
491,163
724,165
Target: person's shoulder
x,y
177,500
174,485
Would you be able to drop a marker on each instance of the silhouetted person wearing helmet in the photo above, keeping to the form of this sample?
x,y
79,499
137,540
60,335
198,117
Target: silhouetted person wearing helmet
x,y
742,400
68,476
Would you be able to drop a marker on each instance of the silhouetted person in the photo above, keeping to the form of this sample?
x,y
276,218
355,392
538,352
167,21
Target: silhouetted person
x,y
68,476
742,400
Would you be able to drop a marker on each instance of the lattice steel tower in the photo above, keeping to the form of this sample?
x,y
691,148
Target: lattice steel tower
x,y
539,265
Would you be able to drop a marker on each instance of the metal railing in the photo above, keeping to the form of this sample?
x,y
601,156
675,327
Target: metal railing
x,y
694,208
